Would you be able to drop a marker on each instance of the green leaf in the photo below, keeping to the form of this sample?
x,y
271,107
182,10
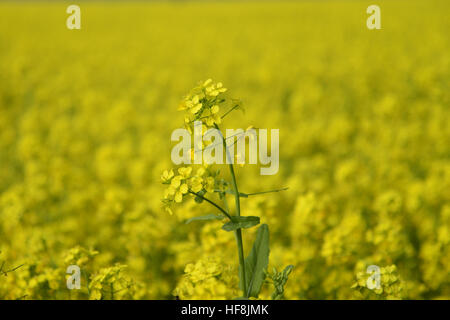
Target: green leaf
x,y
241,223
288,270
256,263
204,218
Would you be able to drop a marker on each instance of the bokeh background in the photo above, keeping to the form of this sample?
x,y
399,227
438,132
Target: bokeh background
x,y
85,123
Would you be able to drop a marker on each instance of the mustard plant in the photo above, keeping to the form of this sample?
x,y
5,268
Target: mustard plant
x,y
205,103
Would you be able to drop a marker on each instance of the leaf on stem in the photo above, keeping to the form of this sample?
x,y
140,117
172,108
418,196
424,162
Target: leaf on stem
x,y
256,262
240,222
204,218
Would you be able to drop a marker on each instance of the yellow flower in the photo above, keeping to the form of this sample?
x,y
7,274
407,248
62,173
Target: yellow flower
x,y
212,119
196,108
185,172
215,109
167,175
201,171
176,181
178,197
215,89
184,188
196,184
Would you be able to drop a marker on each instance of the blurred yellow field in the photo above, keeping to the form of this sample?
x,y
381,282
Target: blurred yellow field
x,y
85,133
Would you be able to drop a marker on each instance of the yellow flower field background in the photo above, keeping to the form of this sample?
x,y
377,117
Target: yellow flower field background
x,y
85,123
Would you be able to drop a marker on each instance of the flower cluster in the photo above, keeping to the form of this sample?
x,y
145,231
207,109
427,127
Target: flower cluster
x,y
110,283
79,256
186,182
386,285
202,103
210,278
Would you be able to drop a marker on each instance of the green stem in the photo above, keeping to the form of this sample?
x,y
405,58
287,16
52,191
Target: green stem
x,y
226,113
263,192
238,213
241,260
213,203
